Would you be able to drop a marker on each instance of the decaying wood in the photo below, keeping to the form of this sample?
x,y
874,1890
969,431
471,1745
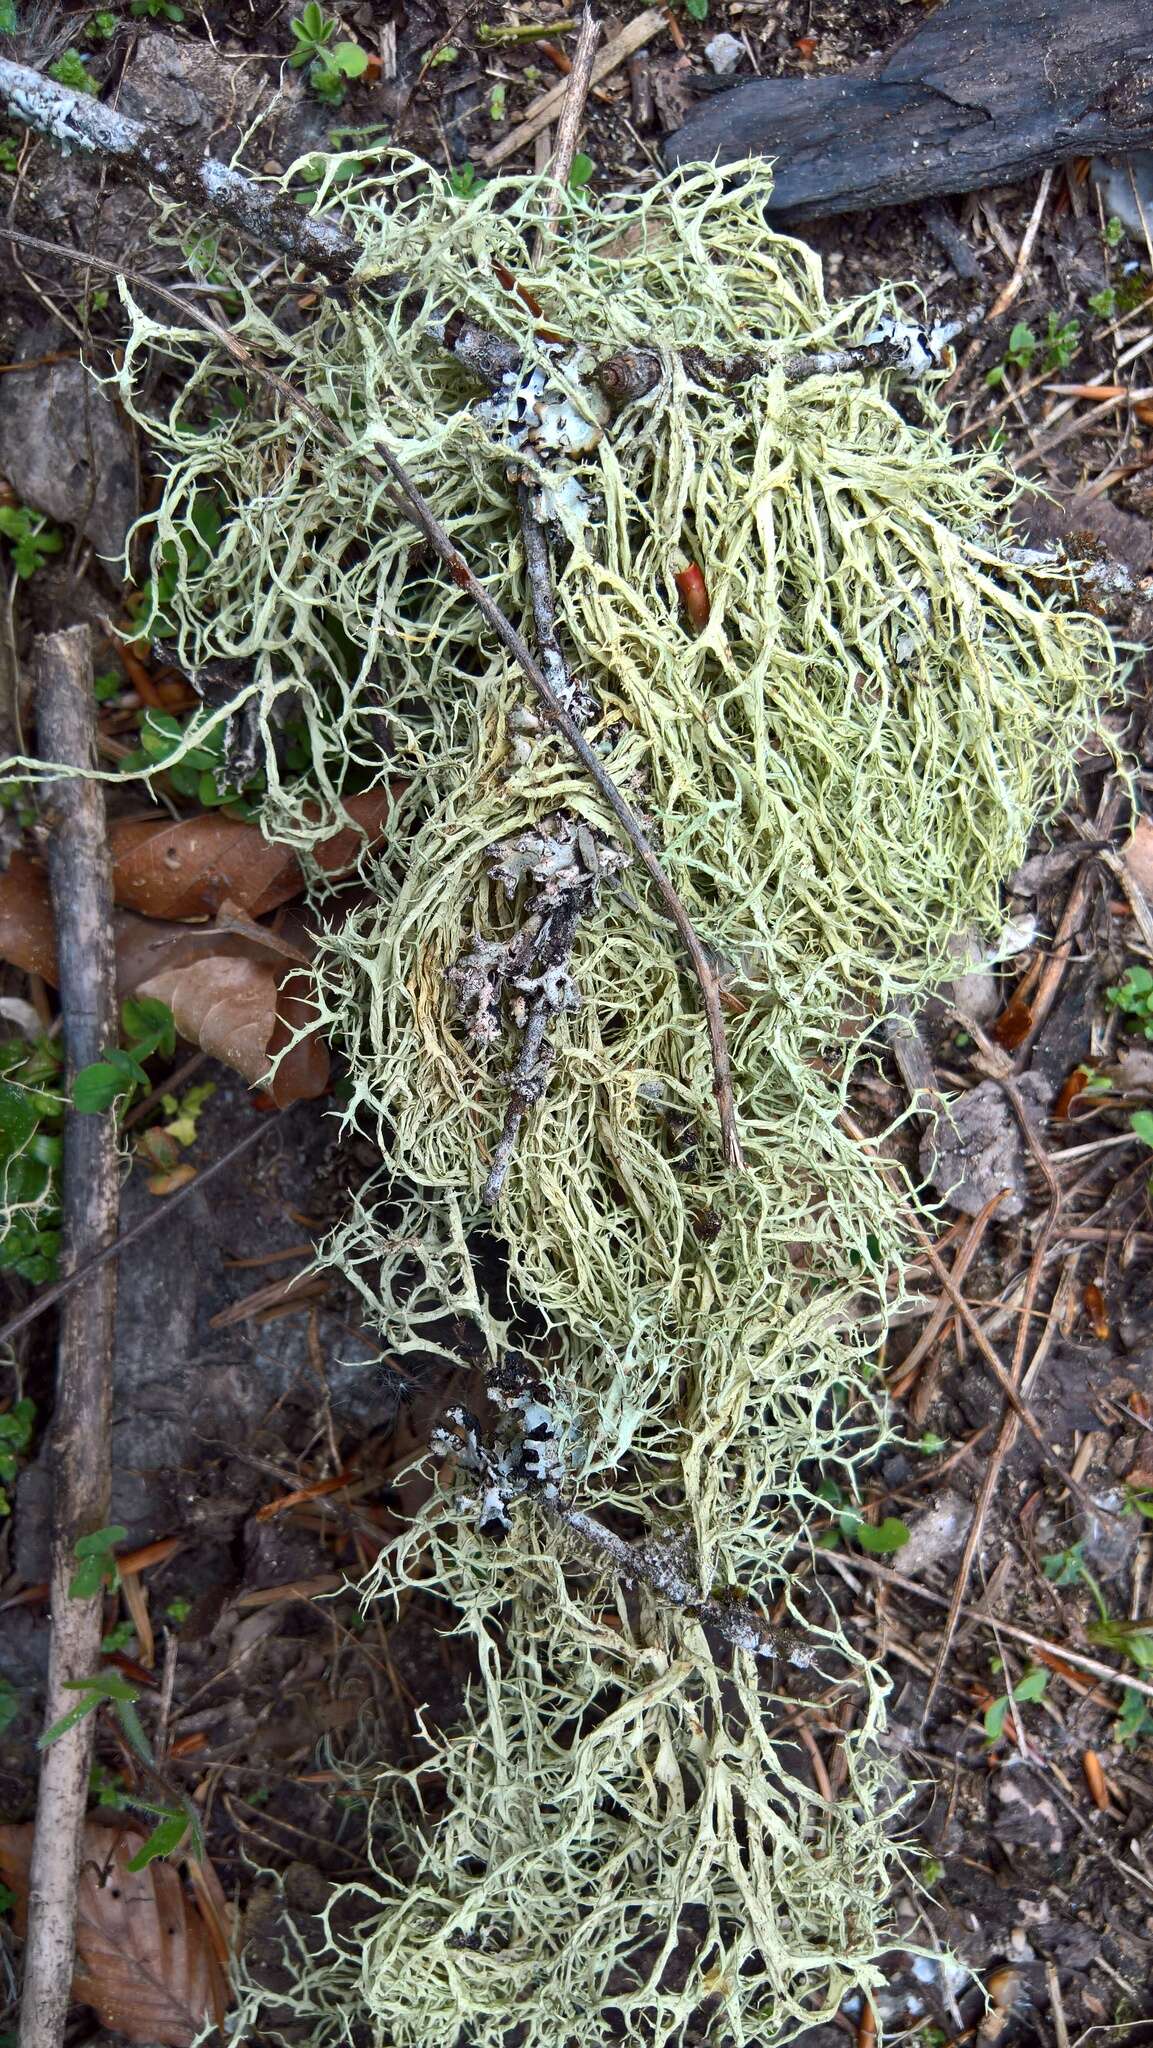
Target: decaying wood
x,y
631,38
984,92
80,870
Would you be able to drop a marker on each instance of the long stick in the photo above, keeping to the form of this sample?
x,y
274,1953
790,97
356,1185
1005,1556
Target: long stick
x,y
514,644
80,870
569,126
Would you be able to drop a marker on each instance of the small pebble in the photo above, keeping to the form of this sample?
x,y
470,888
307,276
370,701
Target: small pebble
x,y
724,53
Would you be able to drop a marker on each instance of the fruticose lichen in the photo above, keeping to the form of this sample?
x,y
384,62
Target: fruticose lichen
x,y
838,771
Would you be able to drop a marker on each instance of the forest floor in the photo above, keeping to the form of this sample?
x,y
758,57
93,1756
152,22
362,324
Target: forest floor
x,y
258,1440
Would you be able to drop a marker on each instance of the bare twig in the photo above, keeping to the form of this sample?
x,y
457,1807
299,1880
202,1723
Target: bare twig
x,y
80,871
631,38
61,1289
420,511
568,127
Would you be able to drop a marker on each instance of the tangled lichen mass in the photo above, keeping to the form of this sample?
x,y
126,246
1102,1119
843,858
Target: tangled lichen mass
x,y
838,766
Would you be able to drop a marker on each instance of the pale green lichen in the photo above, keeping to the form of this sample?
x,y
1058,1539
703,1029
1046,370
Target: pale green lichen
x,y
839,771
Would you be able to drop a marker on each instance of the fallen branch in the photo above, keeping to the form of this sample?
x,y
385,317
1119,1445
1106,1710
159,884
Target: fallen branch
x,y
983,92
413,501
576,94
80,871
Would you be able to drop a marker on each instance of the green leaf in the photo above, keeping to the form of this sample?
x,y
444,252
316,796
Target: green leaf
x,y
18,1119
103,1685
995,1718
97,1087
1032,1685
581,172
164,1840
149,1026
1134,1722
698,9
879,1539
931,1443
7,17
1142,1124
349,58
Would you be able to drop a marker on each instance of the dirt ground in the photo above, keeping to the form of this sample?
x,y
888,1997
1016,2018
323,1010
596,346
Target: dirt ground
x,y
258,1436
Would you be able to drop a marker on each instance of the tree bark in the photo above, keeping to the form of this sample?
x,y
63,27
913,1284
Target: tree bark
x,y
985,92
81,877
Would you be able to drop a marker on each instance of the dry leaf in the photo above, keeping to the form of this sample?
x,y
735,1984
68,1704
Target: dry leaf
x,y
1138,857
145,1961
27,927
225,1006
190,867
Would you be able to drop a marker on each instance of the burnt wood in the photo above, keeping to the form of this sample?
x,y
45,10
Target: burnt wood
x,y
984,92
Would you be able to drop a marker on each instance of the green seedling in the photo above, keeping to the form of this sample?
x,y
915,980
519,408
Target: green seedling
x,y
878,1539
465,180
698,10
157,10
31,537
178,1611
178,562
202,771
31,1150
15,1436
101,27
581,172
175,1817
9,155
71,70
148,1028
1114,232
1031,1686
331,64
1133,996
107,685
96,1567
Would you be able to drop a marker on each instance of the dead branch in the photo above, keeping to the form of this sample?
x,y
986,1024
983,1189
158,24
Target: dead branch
x,y
413,501
577,86
80,870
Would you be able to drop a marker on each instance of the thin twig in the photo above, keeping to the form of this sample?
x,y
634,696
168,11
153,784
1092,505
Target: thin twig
x,y
61,1289
423,516
1060,1651
568,127
80,871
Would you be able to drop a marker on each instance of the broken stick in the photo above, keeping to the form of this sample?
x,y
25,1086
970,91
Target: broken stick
x,y
80,871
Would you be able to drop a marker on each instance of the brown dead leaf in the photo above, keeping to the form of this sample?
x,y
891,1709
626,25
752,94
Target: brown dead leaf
x,y
145,1961
189,867
1138,857
27,927
225,1006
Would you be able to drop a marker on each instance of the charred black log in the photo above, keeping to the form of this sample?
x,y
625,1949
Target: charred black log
x,y
983,93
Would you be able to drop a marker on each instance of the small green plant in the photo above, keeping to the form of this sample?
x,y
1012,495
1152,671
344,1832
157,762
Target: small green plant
x,y
31,537
465,180
175,1817
1057,347
157,10
180,561
1133,996
101,27
178,1611
1132,1639
96,1567
71,70
15,1436
879,1539
331,64
1104,302
580,172
497,100
697,9
32,1108
202,773
1134,1722
1031,1686
9,155
1114,232
108,684
148,1028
